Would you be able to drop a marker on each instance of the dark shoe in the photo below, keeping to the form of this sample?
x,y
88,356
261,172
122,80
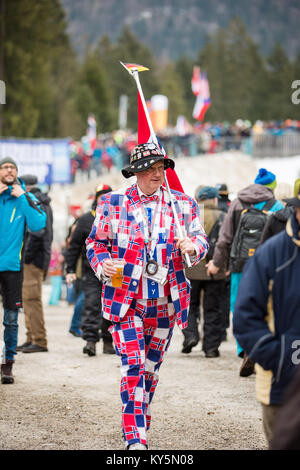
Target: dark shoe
x,y
24,345
212,353
77,333
6,373
108,348
188,344
247,367
34,348
90,348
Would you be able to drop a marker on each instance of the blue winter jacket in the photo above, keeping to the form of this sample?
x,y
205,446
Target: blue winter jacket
x,y
15,214
267,312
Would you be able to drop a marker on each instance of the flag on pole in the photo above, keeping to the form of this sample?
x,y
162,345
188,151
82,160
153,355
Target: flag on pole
x,y
196,80
91,130
200,88
133,67
144,135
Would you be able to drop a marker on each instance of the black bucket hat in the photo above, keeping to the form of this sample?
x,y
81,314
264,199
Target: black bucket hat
x,y
143,156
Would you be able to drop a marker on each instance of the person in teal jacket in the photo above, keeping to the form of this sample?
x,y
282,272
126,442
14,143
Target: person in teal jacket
x,y
18,210
258,195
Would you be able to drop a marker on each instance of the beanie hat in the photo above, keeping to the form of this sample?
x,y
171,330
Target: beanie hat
x,y
102,189
266,178
8,160
222,189
297,187
208,192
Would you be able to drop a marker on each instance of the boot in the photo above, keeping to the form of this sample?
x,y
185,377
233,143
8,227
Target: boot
x,y
90,348
108,348
6,372
188,344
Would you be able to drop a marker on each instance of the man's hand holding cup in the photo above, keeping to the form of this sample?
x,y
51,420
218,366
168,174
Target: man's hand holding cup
x,y
113,268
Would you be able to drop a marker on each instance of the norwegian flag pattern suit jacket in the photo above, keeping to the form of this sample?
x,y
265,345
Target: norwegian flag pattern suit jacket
x,y
118,232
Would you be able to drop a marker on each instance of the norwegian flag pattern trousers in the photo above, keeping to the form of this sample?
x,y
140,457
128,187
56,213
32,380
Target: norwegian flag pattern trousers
x,y
141,338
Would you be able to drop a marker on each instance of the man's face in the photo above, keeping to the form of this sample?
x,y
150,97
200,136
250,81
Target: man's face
x,y
152,178
8,173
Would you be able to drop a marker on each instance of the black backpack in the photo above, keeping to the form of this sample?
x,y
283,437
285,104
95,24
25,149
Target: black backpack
x,y
248,234
213,235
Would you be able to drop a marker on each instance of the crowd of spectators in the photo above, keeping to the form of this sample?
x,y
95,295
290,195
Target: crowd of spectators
x,y
113,149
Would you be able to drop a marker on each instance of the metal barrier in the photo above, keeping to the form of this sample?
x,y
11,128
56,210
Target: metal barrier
x,y
268,145
194,144
263,145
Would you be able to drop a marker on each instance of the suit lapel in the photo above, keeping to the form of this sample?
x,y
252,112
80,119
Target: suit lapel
x,y
134,206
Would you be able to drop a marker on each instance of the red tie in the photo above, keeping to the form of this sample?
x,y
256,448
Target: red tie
x,y
146,199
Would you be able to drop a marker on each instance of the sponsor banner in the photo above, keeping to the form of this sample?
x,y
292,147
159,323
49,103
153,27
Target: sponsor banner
x,y
48,159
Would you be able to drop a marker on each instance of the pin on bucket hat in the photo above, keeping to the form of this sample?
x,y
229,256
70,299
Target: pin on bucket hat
x,y
143,156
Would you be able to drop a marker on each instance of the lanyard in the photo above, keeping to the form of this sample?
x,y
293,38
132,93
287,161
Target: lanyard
x,y
149,240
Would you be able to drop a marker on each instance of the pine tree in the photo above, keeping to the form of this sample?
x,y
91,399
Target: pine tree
x,y
184,69
93,94
128,49
36,56
280,77
235,72
171,86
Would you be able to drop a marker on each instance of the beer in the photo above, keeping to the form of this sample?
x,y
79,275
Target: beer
x,y
117,279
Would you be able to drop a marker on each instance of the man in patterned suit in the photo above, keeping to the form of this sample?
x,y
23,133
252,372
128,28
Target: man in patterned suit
x,y
137,224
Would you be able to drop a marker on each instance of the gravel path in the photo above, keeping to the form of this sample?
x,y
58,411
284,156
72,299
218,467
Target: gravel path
x,y
64,399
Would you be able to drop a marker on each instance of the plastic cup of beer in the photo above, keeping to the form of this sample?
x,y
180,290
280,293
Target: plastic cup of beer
x,y
117,279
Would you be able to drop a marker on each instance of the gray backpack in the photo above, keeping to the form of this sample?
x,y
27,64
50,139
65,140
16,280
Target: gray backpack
x,y
248,234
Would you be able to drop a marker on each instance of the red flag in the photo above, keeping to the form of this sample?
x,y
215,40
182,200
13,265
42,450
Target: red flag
x,y
144,135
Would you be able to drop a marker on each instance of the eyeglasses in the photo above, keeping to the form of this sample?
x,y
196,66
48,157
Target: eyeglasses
x,y
8,167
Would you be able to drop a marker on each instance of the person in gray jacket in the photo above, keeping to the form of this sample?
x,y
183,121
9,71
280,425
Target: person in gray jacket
x,y
258,196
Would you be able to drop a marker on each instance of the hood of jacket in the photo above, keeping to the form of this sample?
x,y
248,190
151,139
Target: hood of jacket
x,y
42,197
255,193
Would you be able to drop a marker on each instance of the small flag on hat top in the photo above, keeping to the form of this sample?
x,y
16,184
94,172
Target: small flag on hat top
x,y
133,67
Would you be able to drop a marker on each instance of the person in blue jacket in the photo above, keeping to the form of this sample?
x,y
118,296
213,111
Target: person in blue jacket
x,y
266,322
18,209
